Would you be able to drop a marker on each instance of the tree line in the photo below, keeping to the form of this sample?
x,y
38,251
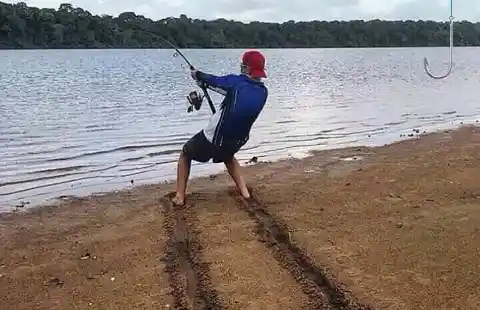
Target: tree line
x,y
24,27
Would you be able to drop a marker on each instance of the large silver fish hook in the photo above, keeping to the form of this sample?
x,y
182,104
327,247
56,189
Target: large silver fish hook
x,y
425,61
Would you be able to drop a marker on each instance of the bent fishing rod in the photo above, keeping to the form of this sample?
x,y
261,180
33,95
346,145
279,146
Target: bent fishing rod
x,y
193,98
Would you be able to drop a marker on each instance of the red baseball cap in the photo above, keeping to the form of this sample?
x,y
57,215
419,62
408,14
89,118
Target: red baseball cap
x,y
255,62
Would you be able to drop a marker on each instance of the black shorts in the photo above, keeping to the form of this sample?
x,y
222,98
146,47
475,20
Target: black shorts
x,y
198,148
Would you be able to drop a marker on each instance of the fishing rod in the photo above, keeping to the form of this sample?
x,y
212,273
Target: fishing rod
x,y
193,98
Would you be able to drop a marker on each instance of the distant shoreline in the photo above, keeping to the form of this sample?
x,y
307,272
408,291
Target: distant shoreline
x,y
73,27
225,48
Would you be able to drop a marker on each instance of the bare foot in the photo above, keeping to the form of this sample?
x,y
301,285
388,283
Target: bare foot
x,y
178,201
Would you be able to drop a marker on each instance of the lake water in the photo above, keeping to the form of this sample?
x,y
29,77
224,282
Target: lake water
x,y
75,122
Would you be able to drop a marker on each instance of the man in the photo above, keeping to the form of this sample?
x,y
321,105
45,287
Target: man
x,y
229,128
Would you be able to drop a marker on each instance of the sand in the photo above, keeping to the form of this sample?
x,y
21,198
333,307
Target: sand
x,y
392,227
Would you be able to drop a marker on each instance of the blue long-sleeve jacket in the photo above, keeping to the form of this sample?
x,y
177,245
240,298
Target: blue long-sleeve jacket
x,y
244,99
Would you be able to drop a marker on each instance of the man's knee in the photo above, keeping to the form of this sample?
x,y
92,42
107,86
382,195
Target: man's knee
x,y
187,150
184,155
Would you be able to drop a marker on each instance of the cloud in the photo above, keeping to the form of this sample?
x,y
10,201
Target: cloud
x,y
280,10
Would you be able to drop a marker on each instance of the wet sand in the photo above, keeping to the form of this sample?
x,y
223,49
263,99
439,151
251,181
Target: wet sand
x,y
392,227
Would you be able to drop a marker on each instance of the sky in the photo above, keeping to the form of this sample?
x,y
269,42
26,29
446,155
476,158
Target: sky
x,y
279,10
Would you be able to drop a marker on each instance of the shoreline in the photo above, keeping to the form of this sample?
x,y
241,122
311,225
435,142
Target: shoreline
x,y
25,205
392,227
168,184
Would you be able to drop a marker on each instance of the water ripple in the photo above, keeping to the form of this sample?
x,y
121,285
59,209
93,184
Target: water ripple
x,y
73,122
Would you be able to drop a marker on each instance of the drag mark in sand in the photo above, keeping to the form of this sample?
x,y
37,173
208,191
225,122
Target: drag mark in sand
x,y
188,274
323,292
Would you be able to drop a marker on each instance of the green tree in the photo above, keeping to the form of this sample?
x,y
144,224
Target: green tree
x,y
22,27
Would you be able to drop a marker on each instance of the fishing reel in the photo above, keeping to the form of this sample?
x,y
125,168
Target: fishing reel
x,y
195,100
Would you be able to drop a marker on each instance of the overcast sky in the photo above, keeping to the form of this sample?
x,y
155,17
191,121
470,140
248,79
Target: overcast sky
x,y
280,10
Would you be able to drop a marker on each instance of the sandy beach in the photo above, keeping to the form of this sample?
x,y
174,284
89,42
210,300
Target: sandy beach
x,y
391,227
